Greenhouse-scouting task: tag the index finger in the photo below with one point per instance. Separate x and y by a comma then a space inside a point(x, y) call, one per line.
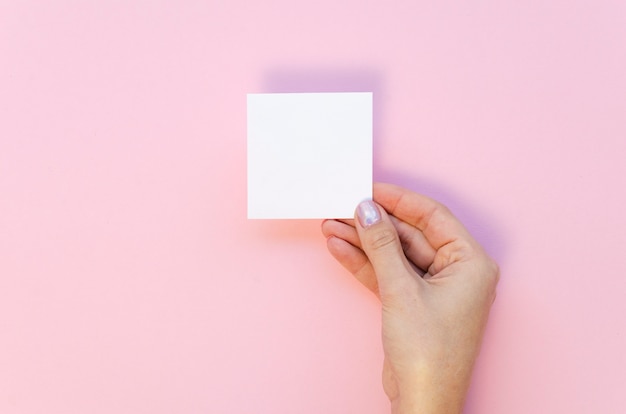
point(432, 218)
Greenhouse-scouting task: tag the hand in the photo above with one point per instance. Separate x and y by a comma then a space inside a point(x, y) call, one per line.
point(436, 285)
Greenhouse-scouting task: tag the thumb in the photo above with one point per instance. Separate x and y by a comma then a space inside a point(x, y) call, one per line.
point(381, 244)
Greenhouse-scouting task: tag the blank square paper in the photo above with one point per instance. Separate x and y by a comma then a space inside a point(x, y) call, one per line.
point(309, 154)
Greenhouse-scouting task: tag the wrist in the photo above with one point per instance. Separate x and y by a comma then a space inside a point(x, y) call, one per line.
point(442, 403)
point(434, 393)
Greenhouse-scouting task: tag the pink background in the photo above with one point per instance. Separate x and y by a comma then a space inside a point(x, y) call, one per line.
point(131, 281)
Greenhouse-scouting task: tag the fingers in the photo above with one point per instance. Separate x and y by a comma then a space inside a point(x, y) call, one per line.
point(344, 245)
point(354, 260)
point(415, 246)
point(433, 219)
point(342, 230)
point(381, 244)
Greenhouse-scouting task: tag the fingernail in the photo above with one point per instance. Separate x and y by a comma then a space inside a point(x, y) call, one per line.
point(367, 213)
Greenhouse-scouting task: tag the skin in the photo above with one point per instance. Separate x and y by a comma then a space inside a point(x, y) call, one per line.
point(436, 285)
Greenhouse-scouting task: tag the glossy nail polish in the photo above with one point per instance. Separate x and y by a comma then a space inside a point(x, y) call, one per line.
point(367, 213)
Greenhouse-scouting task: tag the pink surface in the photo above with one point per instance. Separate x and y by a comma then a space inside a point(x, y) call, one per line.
point(131, 281)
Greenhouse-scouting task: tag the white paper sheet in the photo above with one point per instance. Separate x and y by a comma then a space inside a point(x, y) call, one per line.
point(309, 154)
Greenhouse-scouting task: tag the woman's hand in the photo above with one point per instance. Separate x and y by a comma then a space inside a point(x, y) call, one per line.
point(436, 285)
